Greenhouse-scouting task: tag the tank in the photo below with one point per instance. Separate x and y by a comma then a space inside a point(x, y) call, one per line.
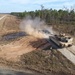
point(62, 40)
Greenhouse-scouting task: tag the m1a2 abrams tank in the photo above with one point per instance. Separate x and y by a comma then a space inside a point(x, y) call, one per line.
point(62, 40)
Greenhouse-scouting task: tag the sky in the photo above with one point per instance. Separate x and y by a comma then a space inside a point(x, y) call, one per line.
point(7, 6)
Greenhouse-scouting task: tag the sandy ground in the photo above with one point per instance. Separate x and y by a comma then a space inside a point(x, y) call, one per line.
point(16, 48)
point(12, 51)
point(9, 24)
point(9, 71)
point(2, 17)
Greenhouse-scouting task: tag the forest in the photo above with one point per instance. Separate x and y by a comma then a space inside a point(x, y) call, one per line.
point(50, 16)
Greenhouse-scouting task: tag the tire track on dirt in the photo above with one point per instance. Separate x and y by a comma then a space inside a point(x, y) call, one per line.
point(72, 49)
point(59, 58)
point(3, 17)
point(70, 56)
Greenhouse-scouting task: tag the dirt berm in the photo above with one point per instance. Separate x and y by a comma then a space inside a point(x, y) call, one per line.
point(27, 52)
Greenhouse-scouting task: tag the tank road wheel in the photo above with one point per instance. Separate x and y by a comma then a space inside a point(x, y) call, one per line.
point(62, 45)
point(69, 45)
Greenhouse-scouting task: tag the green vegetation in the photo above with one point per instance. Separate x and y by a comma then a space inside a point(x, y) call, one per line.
point(50, 16)
point(61, 20)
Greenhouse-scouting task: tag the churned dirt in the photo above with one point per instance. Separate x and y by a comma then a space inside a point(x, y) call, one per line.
point(9, 24)
point(13, 50)
point(21, 51)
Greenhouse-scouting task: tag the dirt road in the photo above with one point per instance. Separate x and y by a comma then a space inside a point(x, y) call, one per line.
point(26, 44)
point(69, 55)
point(2, 17)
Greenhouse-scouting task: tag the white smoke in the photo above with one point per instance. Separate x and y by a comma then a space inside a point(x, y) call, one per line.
point(34, 27)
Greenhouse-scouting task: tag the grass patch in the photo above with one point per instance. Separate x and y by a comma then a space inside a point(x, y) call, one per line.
point(47, 61)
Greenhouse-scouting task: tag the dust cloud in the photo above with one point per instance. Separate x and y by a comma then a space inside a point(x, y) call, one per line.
point(35, 27)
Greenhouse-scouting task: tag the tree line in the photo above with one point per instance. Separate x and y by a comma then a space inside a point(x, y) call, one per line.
point(50, 16)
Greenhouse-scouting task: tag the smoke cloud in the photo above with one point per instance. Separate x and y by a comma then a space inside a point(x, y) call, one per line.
point(34, 27)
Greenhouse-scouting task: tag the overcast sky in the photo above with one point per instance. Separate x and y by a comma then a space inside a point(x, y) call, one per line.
point(28, 5)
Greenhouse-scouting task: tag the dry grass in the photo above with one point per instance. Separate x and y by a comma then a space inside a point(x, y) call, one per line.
point(47, 61)
point(43, 61)
point(69, 29)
